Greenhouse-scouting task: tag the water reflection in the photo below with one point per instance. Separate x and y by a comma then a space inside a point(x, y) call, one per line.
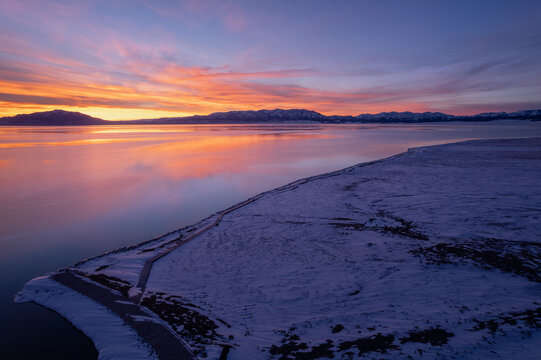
point(67, 193)
point(73, 142)
point(129, 129)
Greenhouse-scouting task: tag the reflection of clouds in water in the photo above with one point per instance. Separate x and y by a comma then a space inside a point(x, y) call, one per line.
point(76, 142)
point(226, 142)
point(168, 139)
point(131, 130)
point(206, 156)
point(157, 174)
point(170, 128)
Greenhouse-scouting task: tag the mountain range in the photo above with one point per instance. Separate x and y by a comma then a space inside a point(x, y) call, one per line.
point(53, 118)
point(69, 118)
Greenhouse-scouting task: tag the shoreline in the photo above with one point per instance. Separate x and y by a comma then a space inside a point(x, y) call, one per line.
point(293, 122)
point(145, 249)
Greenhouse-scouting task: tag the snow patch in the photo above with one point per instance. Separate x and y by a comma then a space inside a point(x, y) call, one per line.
point(112, 338)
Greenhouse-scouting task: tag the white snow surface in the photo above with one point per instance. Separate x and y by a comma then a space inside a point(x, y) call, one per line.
point(113, 339)
point(443, 237)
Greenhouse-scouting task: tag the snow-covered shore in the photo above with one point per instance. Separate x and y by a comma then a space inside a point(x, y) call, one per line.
point(434, 253)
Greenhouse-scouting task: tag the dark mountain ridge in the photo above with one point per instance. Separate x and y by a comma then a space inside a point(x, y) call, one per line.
point(53, 118)
point(69, 118)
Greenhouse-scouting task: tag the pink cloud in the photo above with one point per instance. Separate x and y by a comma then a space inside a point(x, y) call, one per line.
point(235, 20)
point(229, 15)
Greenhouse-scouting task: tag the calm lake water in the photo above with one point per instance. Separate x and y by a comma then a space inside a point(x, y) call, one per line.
point(68, 193)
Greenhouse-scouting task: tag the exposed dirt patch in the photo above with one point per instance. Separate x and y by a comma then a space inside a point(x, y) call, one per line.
point(291, 351)
point(400, 227)
point(288, 349)
point(376, 343)
point(337, 328)
point(349, 225)
point(291, 348)
point(122, 286)
point(406, 228)
point(406, 231)
point(528, 318)
point(519, 258)
point(434, 336)
point(187, 320)
point(317, 352)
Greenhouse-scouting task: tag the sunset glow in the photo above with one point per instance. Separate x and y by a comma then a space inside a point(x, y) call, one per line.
point(148, 59)
point(270, 179)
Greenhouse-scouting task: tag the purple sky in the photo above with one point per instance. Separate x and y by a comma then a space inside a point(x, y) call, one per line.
point(151, 58)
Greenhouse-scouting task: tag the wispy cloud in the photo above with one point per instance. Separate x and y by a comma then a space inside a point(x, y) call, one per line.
point(231, 16)
point(159, 84)
point(158, 58)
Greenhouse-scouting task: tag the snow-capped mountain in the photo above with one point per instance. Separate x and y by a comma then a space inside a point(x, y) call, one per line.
point(61, 117)
point(405, 116)
point(525, 113)
point(265, 115)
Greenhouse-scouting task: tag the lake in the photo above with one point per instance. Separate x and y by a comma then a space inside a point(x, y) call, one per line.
point(68, 193)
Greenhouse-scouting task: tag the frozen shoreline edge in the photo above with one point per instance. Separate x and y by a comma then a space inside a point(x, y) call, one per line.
point(99, 324)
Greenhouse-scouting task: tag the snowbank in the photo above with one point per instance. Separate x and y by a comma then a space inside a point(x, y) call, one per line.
point(112, 338)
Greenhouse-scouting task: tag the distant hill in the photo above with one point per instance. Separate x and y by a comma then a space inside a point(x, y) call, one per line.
point(64, 118)
point(409, 117)
point(302, 115)
point(53, 118)
point(250, 116)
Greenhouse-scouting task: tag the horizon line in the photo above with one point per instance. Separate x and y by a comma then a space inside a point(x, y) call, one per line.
point(287, 109)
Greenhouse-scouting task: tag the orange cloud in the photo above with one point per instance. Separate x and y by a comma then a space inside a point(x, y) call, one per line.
point(147, 86)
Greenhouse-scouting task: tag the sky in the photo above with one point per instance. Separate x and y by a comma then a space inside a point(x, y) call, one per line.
point(129, 59)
